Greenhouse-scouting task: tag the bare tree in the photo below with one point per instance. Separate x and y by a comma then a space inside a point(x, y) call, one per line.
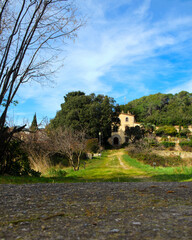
point(41, 145)
point(30, 33)
point(79, 145)
point(70, 142)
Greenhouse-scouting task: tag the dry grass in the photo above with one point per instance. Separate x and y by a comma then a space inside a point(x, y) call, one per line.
point(187, 162)
point(185, 156)
point(41, 164)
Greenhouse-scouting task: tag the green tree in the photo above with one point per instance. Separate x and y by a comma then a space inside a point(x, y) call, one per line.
point(34, 125)
point(91, 113)
point(134, 133)
point(148, 127)
point(162, 109)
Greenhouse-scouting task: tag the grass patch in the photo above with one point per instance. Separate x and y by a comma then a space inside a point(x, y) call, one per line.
point(108, 169)
point(161, 173)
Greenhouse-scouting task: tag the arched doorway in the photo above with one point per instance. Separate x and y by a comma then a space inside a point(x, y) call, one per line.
point(116, 141)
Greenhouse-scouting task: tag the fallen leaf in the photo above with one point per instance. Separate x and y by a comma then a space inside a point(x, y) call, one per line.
point(183, 186)
point(153, 186)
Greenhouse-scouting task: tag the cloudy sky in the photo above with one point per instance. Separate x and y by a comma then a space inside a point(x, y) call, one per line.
point(128, 49)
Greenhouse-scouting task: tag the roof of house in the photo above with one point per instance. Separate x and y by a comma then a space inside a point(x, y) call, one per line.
point(127, 114)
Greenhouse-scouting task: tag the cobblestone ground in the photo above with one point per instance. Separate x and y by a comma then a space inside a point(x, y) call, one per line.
point(96, 211)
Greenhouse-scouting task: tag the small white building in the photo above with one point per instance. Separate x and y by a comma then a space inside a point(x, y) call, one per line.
point(118, 136)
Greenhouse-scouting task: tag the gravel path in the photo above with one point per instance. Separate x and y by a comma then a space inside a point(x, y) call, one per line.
point(96, 211)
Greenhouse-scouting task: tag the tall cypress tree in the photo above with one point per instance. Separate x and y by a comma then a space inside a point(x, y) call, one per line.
point(34, 125)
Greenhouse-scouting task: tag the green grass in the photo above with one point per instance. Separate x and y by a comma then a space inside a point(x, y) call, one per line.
point(162, 173)
point(108, 169)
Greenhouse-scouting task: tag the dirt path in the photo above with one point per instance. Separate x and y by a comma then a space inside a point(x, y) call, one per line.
point(119, 155)
point(96, 211)
point(122, 163)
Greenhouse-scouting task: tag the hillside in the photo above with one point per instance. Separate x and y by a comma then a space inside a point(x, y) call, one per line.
point(162, 109)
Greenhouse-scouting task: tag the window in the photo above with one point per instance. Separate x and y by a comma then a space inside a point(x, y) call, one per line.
point(126, 119)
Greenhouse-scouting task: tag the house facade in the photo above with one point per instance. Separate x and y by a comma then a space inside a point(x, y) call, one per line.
point(118, 135)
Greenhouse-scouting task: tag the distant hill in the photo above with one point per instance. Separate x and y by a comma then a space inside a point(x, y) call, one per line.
point(162, 109)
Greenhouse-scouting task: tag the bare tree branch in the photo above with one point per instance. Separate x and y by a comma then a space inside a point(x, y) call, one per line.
point(28, 29)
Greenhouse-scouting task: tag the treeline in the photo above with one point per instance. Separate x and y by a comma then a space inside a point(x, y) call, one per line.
point(162, 109)
point(92, 113)
point(83, 125)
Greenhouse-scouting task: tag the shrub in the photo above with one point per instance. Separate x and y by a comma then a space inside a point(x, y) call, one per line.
point(18, 163)
point(151, 158)
point(92, 145)
point(187, 148)
point(162, 161)
point(168, 144)
point(166, 130)
point(186, 145)
point(59, 159)
point(151, 141)
point(142, 145)
point(57, 172)
point(125, 144)
point(184, 132)
point(143, 153)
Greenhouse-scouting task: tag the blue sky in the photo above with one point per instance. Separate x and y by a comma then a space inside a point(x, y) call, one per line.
point(126, 50)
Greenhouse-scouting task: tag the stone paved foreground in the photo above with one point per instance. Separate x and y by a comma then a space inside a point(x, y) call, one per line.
point(96, 211)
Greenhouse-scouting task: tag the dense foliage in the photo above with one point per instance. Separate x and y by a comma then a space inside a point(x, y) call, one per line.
point(166, 131)
point(162, 109)
point(92, 145)
point(17, 162)
point(134, 133)
point(167, 144)
point(91, 113)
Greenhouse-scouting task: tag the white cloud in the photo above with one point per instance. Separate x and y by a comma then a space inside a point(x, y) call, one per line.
point(143, 9)
point(186, 86)
point(107, 45)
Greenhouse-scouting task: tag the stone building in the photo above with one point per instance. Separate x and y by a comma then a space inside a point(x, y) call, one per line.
point(118, 135)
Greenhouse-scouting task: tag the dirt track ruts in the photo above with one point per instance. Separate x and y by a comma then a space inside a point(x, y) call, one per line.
point(96, 211)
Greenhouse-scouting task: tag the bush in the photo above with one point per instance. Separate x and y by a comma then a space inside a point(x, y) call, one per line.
point(92, 145)
point(151, 141)
point(125, 144)
point(166, 131)
point(146, 144)
point(187, 148)
point(151, 158)
point(57, 172)
point(143, 153)
point(162, 161)
point(168, 144)
point(59, 159)
point(186, 145)
point(184, 132)
point(18, 162)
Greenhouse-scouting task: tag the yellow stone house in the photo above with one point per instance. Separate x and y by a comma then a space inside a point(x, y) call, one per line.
point(118, 135)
